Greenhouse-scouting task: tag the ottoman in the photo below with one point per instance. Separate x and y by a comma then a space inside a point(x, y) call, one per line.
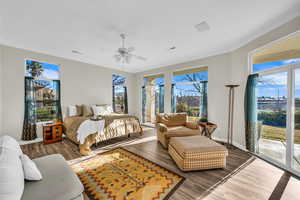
point(197, 153)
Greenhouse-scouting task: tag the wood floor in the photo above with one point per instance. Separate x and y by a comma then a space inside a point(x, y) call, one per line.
point(245, 177)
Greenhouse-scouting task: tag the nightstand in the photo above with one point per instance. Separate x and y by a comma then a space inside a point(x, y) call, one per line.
point(52, 132)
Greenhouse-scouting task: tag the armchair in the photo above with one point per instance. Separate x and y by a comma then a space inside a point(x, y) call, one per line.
point(174, 125)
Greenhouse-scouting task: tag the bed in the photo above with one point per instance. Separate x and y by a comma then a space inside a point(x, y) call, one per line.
point(114, 125)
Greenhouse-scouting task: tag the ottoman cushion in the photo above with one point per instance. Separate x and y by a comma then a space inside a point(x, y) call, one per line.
point(192, 146)
point(197, 153)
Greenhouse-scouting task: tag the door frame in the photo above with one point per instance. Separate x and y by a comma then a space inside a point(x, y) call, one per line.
point(290, 69)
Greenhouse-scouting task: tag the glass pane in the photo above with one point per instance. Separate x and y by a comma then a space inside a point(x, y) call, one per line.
point(269, 65)
point(272, 106)
point(118, 80)
point(46, 96)
point(46, 111)
point(119, 99)
point(152, 98)
point(191, 98)
point(296, 157)
point(193, 77)
point(42, 70)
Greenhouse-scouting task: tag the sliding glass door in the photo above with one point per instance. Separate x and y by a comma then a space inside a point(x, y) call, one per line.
point(296, 131)
point(278, 116)
point(271, 115)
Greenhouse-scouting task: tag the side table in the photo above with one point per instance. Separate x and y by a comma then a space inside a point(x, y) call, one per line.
point(207, 128)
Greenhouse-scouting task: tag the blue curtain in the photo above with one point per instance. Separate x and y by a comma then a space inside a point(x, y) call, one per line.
point(125, 100)
point(203, 102)
point(161, 98)
point(113, 98)
point(143, 103)
point(173, 99)
point(250, 106)
point(29, 123)
point(56, 84)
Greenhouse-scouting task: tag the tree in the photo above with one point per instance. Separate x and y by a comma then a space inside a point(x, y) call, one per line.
point(200, 84)
point(34, 68)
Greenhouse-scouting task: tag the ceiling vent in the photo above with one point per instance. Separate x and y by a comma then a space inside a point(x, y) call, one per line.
point(203, 26)
point(77, 52)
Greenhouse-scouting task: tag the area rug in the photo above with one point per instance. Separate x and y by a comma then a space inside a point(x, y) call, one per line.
point(123, 175)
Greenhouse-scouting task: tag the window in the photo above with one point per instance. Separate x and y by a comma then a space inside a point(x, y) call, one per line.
point(152, 97)
point(189, 93)
point(120, 104)
point(42, 82)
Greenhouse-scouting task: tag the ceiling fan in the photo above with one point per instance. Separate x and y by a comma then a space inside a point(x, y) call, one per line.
point(124, 55)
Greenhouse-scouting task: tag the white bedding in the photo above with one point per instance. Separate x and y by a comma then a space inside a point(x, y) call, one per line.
point(89, 127)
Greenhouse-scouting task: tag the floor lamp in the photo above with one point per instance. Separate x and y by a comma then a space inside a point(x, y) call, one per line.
point(230, 114)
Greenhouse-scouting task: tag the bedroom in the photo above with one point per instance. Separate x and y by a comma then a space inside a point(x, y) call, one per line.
point(82, 40)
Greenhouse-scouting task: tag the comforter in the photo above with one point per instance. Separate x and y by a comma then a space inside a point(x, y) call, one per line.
point(115, 125)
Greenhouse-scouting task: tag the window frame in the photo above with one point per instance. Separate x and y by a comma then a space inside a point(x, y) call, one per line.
point(290, 69)
point(44, 79)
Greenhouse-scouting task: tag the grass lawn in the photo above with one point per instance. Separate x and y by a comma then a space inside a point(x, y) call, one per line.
point(277, 133)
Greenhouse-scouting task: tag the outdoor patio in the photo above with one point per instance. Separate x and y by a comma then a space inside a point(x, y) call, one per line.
point(277, 151)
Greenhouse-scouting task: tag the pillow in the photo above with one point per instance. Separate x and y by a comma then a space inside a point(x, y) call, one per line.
point(10, 143)
point(87, 111)
point(72, 111)
point(11, 175)
point(99, 110)
point(109, 109)
point(31, 172)
point(79, 110)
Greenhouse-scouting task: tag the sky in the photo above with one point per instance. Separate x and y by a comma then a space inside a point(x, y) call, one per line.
point(51, 71)
point(276, 84)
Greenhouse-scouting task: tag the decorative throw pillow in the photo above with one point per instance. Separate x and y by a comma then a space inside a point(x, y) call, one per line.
point(79, 110)
point(72, 111)
point(109, 109)
point(31, 172)
point(87, 111)
point(10, 143)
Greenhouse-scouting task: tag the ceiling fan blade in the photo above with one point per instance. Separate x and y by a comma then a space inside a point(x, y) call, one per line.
point(127, 59)
point(117, 57)
point(130, 49)
point(139, 57)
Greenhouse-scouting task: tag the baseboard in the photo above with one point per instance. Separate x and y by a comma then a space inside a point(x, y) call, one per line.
point(238, 145)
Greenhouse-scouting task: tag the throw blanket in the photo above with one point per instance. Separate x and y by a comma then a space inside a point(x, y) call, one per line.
point(89, 127)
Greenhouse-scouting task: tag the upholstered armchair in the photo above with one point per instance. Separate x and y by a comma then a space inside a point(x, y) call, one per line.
point(174, 125)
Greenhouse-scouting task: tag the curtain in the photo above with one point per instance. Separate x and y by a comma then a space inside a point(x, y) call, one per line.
point(173, 99)
point(113, 98)
point(56, 84)
point(203, 102)
point(161, 98)
point(250, 106)
point(125, 100)
point(29, 123)
point(143, 103)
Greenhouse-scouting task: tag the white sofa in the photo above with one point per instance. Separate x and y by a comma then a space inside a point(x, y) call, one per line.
point(58, 182)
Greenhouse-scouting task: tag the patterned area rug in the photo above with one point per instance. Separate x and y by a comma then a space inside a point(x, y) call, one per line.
point(122, 175)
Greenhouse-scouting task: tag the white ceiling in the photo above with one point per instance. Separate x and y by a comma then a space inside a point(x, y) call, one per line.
point(56, 27)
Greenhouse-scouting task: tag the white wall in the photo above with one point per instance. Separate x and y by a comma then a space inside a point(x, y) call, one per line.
point(1, 60)
point(218, 76)
point(227, 68)
point(241, 69)
point(81, 83)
